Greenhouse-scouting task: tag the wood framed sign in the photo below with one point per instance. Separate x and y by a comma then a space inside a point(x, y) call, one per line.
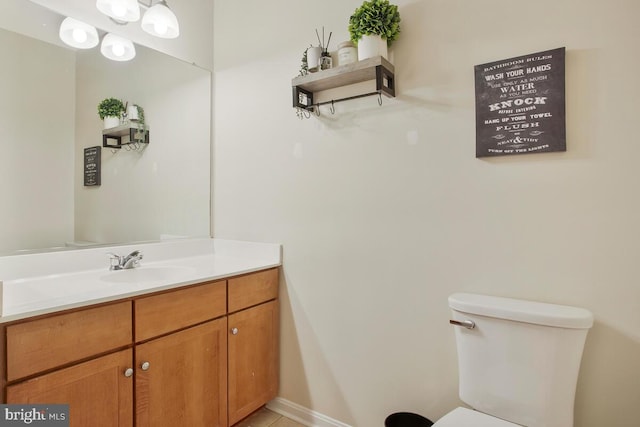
point(92, 157)
point(520, 105)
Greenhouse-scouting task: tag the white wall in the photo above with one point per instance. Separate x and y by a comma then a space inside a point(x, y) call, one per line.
point(384, 212)
point(36, 161)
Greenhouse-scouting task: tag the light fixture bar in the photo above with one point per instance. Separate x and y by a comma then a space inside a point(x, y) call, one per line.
point(120, 10)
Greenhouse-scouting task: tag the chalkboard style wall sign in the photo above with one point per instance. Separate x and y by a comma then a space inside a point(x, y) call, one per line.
point(520, 105)
point(92, 166)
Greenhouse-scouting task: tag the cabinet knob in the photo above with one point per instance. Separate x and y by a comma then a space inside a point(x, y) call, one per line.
point(145, 366)
point(234, 331)
point(128, 372)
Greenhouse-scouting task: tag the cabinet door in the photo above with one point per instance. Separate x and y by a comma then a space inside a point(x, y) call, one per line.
point(253, 359)
point(181, 379)
point(98, 392)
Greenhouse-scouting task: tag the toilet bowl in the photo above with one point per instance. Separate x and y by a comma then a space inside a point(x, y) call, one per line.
point(463, 417)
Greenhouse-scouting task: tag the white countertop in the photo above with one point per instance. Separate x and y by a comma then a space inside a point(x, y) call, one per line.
point(38, 284)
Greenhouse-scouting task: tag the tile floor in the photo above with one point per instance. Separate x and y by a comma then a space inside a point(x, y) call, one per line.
point(267, 418)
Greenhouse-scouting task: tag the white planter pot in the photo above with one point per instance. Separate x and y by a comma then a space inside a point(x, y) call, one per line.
point(371, 46)
point(111, 122)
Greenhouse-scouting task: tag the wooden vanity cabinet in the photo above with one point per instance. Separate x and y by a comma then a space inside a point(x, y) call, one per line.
point(204, 355)
point(253, 342)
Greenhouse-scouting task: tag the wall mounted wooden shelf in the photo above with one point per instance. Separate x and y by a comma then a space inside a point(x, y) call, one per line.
point(132, 130)
point(377, 68)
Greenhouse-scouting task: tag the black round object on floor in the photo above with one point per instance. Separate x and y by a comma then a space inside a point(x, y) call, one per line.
point(407, 419)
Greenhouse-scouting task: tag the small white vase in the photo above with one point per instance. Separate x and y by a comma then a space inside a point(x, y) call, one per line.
point(313, 58)
point(111, 122)
point(372, 46)
point(132, 112)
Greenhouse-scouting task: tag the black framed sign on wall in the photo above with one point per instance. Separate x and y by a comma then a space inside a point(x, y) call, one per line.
point(520, 105)
point(92, 158)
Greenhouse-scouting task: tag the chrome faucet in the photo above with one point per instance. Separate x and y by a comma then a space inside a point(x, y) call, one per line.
point(119, 262)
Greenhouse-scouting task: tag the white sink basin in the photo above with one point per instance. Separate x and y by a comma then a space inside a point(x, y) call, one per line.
point(147, 274)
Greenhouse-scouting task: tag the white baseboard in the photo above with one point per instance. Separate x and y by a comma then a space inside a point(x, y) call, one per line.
point(302, 415)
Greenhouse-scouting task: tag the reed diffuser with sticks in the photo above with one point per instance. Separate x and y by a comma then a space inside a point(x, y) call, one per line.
point(326, 61)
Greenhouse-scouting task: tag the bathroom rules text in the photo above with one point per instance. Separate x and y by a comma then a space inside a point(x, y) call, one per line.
point(520, 105)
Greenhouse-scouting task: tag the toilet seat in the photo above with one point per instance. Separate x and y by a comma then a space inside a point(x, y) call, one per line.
point(463, 417)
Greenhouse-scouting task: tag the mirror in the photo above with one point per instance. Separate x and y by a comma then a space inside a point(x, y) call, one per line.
point(49, 104)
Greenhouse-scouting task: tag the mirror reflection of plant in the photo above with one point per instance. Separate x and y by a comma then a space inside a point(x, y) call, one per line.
point(142, 124)
point(304, 66)
point(110, 107)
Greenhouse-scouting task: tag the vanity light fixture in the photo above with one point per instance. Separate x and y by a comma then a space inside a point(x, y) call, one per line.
point(78, 34)
point(160, 21)
point(117, 48)
point(120, 10)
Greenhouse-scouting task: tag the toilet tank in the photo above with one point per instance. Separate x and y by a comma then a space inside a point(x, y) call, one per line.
point(521, 359)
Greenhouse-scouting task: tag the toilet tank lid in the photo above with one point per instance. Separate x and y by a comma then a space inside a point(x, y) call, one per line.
point(560, 316)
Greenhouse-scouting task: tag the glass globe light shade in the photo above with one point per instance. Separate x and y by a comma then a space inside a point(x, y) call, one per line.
point(117, 48)
point(160, 21)
point(78, 34)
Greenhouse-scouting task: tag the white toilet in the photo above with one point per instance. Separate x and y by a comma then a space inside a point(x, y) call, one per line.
point(518, 361)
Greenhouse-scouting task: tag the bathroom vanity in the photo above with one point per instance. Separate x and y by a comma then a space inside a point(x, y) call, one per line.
point(200, 353)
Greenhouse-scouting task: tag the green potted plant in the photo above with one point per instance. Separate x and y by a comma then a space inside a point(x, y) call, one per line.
point(110, 110)
point(374, 26)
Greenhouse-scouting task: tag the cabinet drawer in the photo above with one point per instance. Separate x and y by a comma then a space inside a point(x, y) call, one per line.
point(252, 289)
point(38, 345)
point(170, 311)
